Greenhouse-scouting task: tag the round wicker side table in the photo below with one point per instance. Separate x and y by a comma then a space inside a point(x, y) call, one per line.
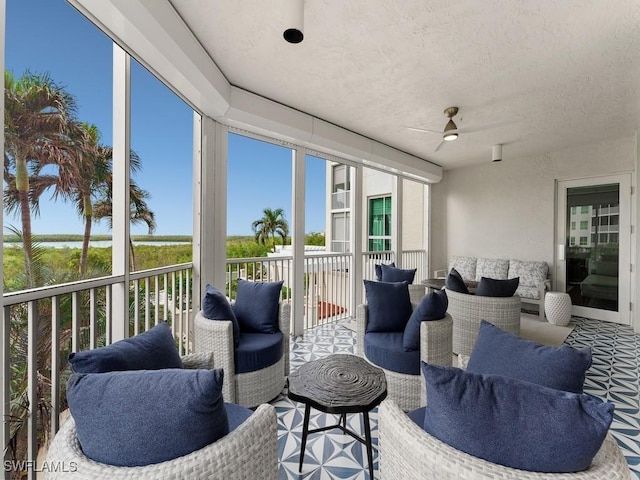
point(557, 306)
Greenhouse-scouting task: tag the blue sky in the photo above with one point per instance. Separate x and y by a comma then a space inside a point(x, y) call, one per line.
point(51, 36)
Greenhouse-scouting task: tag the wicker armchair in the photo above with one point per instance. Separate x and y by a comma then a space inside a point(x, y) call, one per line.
point(467, 311)
point(435, 348)
point(407, 452)
point(248, 452)
point(251, 388)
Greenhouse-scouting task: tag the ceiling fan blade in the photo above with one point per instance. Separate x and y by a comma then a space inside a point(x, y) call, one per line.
point(424, 130)
point(439, 145)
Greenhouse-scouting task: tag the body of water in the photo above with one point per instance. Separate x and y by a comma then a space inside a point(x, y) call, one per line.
point(95, 244)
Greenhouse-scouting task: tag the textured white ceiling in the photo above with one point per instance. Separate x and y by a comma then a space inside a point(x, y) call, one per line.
point(535, 75)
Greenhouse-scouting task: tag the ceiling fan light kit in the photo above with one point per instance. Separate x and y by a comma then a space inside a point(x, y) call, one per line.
point(450, 133)
point(496, 153)
point(294, 16)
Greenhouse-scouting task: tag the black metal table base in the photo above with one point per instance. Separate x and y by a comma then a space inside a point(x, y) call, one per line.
point(342, 425)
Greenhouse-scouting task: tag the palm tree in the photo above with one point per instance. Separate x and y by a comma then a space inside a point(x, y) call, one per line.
point(81, 179)
point(139, 211)
point(38, 115)
point(271, 224)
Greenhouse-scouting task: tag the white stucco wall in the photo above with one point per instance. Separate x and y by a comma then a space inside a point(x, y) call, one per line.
point(507, 209)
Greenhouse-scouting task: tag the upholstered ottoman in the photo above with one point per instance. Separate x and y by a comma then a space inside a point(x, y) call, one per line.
point(557, 307)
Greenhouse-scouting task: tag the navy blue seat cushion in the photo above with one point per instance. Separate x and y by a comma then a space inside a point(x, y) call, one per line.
point(432, 307)
point(150, 350)
point(378, 268)
point(256, 306)
point(215, 306)
point(417, 416)
point(491, 287)
point(394, 274)
point(385, 350)
point(236, 414)
point(514, 423)
point(258, 350)
point(455, 282)
point(389, 306)
point(143, 417)
point(503, 353)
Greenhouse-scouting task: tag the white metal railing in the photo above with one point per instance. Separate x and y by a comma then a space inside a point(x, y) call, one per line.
point(327, 293)
point(43, 326)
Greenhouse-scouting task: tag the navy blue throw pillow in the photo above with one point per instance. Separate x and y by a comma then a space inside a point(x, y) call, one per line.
point(514, 423)
point(257, 305)
point(393, 274)
point(146, 416)
point(389, 306)
point(502, 353)
point(432, 307)
point(378, 268)
point(150, 350)
point(215, 306)
point(491, 287)
point(455, 282)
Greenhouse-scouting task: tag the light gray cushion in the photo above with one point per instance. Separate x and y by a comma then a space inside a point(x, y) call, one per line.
point(532, 273)
point(466, 266)
point(495, 268)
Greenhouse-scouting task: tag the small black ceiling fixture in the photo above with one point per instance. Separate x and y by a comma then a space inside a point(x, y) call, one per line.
point(294, 18)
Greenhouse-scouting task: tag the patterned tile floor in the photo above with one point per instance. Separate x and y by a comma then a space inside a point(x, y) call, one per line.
point(333, 455)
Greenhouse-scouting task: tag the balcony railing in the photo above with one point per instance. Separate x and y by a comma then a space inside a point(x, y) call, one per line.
point(43, 326)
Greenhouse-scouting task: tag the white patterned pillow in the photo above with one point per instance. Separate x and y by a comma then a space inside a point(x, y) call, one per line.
point(466, 267)
point(532, 273)
point(495, 268)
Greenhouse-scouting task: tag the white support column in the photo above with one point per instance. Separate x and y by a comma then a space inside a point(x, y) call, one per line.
point(120, 202)
point(297, 236)
point(212, 207)
point(5, 318)
point(196, 225)
point(356, 227)
point(635, 243)
point(396, 218)
point(426, 225)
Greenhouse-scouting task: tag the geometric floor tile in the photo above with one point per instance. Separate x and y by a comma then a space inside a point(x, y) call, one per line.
point(332, 455)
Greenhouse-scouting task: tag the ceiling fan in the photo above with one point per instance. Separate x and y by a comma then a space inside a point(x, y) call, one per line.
point(450, 131)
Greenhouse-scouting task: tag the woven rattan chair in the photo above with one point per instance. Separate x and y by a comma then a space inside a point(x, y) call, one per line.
point(248, 452)
point(467, 311)
point(407, 452)
point(251, 388)
point(435, 348)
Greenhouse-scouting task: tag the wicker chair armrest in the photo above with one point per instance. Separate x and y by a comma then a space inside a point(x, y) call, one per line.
point(362, 316)
point(216, 337)
point(250, 451)
point(436, 341)
point(202, 360)
point(284, 322)
point(416, 292)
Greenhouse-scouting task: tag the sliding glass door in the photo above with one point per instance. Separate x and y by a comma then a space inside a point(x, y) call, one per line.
point(593, 246)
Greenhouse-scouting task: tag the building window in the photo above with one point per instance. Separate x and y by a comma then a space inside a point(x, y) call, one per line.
point(573, 210)
point(573, 225)
point(341, 186)
point(584, 209)
point(584, 225)
point(379, 224)
point(340, 232)
point(583, 241)
point(572, 241)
